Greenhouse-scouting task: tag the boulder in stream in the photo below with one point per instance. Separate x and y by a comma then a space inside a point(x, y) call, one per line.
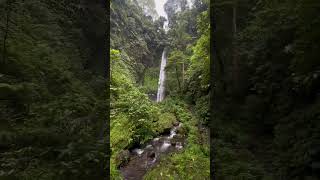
point(152, 155)
point(176, 123)
point(123, 157)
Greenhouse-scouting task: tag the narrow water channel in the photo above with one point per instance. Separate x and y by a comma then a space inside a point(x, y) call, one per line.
point(144, 158)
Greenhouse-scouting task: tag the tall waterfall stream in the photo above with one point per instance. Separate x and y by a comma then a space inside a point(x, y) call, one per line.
point(162, 77)
point(145, 157)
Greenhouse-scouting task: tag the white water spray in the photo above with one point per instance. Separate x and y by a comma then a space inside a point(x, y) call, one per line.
point(162, 77)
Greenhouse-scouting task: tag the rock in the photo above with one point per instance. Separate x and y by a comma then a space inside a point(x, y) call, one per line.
point(149, 146)
point(179, 145)
point(152, 155)
point(176, 123)
point(182, 131)
point(138, 151)
point(123, 157)
point(166, 131)
point(177, 137)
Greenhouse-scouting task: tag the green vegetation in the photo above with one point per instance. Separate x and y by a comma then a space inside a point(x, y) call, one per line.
point(262, 83)
point(52, 89)
point(134, 118)
point(131, 115)
point(137, 36)
point(135, 63)
point(151, 78)
point(265, 81)
point(266, 96)
point(193, 162)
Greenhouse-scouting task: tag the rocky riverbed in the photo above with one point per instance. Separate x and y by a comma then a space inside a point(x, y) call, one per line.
point(142, 159)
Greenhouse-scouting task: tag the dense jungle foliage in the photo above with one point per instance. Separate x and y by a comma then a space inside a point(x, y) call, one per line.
point(265, 119)
point(257, 95)
point(53, 90)
point(137, 42)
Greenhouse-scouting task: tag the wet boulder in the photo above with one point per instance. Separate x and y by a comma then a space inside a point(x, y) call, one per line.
point(178, 137)
point(175, 141)
point(182, 130)
point(152, 155)
point(123, 157)
point(166, 131)
point(176, 123)
point(165, 122)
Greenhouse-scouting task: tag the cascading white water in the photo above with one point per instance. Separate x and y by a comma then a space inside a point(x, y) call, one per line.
point(162, 77)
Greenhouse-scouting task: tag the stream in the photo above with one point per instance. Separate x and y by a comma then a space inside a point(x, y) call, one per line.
point(144, 158)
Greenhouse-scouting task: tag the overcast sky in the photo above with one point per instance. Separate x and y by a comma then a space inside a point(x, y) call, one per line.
point(160, 7)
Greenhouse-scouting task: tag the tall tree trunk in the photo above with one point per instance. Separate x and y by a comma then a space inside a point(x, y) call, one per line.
point(217, 66)
point(4, 48)
point(235, 64)
point(177, 76)
point(217, 71)
point(234, 18)
point(182, 73)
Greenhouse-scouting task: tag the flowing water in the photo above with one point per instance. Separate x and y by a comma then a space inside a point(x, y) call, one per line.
point(144, 158)
point(162, 77)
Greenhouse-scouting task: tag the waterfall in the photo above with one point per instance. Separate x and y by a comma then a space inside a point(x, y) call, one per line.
point(162, 77)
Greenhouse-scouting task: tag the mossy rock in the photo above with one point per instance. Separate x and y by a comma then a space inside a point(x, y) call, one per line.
point(123, 157)
point(183, 130)
point(165, 122)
